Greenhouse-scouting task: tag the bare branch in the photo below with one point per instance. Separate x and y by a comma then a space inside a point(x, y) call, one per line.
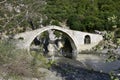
point(10, 18)
point(3, 1)
point(2, 19)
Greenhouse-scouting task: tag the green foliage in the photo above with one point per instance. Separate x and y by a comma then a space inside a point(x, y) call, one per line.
point(55, 23)
point(117, 33)
point(7, 52)
point(113, 77)
point(75, 23)
point(16, 62)
point(85, 15)
point(111, 56)
point(118, 41)
point(12, 76)
point(38, 58)
point(57, 34)
point(40, 61)
point(19, 63)
point(18, 13)
point(109, 36)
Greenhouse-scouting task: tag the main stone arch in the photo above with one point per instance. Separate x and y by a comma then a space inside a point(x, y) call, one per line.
point(69, 36)
point(28, 37)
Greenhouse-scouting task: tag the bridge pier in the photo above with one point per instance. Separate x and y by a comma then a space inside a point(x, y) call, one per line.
point(75, 54)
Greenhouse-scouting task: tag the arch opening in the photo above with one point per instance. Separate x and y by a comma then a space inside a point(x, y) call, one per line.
point(39, 43)
point(87, 39)
point(68, 45)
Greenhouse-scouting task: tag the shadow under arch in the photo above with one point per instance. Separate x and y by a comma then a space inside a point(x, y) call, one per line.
point(72, 42)
point(70, 39)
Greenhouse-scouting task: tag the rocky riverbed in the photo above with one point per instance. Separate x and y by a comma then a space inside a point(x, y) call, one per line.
point(86, 67)
point(70, 72)
point(65, 69)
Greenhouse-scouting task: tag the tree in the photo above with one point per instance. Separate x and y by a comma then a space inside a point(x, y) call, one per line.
point(92, 14)
point(18, 13)
point(85, 15)
point(75, 23)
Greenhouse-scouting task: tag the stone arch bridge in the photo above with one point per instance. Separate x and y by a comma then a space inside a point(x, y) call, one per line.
point(77, 38)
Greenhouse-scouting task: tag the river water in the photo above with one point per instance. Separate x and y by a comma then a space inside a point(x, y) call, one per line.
point(98, 63)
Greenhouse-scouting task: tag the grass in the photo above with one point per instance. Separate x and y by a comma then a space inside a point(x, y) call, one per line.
point(7, 52)
point(17, 63)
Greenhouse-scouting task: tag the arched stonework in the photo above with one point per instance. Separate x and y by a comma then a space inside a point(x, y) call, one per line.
point(76, 38)
point(29, 37)
point(69, 37)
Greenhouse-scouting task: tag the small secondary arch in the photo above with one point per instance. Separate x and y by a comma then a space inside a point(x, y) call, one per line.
point(87, 39)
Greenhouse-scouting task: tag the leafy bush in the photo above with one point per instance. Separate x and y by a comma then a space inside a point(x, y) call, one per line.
point(74, 21)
